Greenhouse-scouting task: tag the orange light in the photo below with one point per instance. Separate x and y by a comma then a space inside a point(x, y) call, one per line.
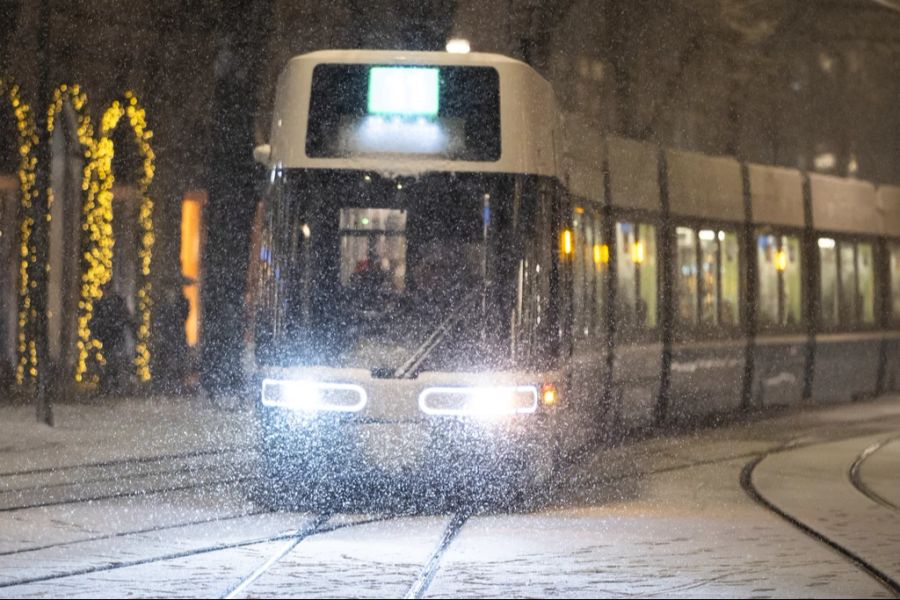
point(780, 260)
point(567, 242)
point(637, 253)
point(549, 394)
point(601, 254)
point(191, 222)
point(579, 210)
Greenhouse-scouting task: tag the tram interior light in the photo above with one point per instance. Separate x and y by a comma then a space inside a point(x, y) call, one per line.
point(406, 91)
point(780, 260)
point(566, 242)
point(601, 254)
point(637, 253)
point(826, 243)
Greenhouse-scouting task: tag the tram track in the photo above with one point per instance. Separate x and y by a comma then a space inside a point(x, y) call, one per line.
point(123, 461)
point(416, 590)
point(141, 477)
point(426, 575)
point(746, 480)
point(855, 474)
point(131, 493)
point(456, 521)
point(134, 532)
point(111, 478)
point(318, 526)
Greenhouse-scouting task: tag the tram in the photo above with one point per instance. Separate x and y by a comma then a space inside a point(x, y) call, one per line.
point(411, 312)
point(452, 284)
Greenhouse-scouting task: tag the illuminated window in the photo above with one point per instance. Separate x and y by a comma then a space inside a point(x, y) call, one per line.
point(636, 272)
point(406, 91)
point(587, 273)
point(708, 277)
point(847, 280)
point(895, 281)
point(191, 223)
point(779, 280)
point(373, 249)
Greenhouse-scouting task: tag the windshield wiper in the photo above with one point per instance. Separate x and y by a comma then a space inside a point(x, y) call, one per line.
point(459, 312)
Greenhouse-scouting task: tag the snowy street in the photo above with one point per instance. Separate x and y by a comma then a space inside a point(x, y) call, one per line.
point(795, 504)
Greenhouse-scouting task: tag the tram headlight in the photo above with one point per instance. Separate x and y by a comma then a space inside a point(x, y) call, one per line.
point(313, 396)
point(484, 402)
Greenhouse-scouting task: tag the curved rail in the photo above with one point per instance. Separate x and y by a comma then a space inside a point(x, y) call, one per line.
point(856, 477)
point(888, 582)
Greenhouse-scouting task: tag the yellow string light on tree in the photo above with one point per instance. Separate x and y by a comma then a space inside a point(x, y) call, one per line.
point(26, 314)
point(98, 223)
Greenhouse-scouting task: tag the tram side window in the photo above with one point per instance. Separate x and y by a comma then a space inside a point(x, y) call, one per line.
point(865, 262)
point(847, 274)
point(828, 268)
point(708, 277)
point(686, 263)
point(847, 287)
point(895, 281)
point(583, 273)
point(779, 282)
point(636, 272)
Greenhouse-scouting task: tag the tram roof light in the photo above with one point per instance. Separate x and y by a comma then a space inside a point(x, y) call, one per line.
point(406, 91)
point(458, 46)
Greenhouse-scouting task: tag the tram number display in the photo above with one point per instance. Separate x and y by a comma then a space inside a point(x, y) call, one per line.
point(427, 111)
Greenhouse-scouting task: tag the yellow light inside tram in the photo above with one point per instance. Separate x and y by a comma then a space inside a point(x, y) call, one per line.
point(549, 394)
point(780, 260)
point(637, 253)
point(601, 254)
point(566, 242)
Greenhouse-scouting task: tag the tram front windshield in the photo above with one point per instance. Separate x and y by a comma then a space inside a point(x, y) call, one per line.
point(383, 274)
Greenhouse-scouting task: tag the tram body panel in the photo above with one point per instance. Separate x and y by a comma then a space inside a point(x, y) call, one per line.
point(528, 129)
point(706, 378)
point(891, 362)
point(636, 377)
point(779, 369)
point(846, 366)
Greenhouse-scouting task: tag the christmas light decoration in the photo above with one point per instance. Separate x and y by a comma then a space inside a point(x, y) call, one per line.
point(27, 364)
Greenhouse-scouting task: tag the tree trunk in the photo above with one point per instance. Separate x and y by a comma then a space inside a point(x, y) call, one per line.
point(242, 36)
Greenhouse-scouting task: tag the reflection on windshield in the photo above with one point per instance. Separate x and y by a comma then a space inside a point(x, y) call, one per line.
point(447, 271)
point(404, 273)
point(387, 272)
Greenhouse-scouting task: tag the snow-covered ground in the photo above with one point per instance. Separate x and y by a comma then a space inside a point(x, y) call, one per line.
point(148, 498)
